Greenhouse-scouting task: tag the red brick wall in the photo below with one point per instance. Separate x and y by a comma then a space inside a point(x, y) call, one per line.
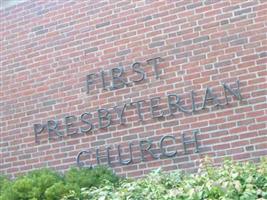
point(48, 48)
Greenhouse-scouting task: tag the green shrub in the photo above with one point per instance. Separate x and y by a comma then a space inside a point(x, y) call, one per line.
point(79, 178)
point(3, 180)
point(31, 186)
point(58, 190)
point(86, 178)
point(46, 184)
point(232, 181)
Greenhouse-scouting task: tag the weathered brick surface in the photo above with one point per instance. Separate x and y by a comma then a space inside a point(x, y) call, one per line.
point(48, 48)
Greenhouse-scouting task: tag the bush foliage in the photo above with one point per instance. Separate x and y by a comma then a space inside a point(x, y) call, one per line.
point(231, 181)
point(46, 184)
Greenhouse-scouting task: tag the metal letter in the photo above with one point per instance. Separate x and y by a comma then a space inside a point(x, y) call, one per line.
point(138, 107)
point(236, 93)
point(136, 68)
point(154, 62)
point(149, 142)
point(116, 78)
point(108, 156)
point(52, 126)
point(120, 112)
point(68, 124)
point(154, 107)
point(103, 114)
point(194, 108)
point(163, 152)
point(78, 162)
point(126, 162)
point(194, 141)
point(38, 128)
point(175, 104)
point(210, 96)
point(89, 82)
point(102, 73)
point(84, 120)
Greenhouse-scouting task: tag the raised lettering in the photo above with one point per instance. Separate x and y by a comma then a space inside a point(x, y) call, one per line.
point(147, 149)
point(103, 115)
point(210, 96)
point(102, 75)
point(155, 62)
point(137, 68)
point(68, 123)
point(126, 162)
point(233, 92)
point(120, 112)
point(52, 127)
point(84, 119)
point(154, 105)
point(78, 159)
point(98, 157)
point(38, 128)
point(89, 81)
point(117, 80)
point(163, 151)
point(175, 104)
point(138, 107)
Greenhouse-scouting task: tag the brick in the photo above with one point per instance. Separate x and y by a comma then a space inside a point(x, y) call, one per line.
point(101, 25)
point(224, 22)
point(37, 28)
point(124, 52)
point(229, 38)
point(221, 147)
point(200, 39)
point(156, 44)
point(104, 136)
point(146, 18)
point(242, 11)
point(263, 54)
point(184, 43)
point(222, 64)
point(239, 18)
point(239, 42)
point(208, 2)
point(194, 5)
point(49, 103)
point(90, 50)
point(41, 32)
point(249, 148)
point(183, 55)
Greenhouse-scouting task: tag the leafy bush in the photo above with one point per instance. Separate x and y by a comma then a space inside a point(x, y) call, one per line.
point(46, 184)
point(3, 180)
point(232, 181)
point(98, 176)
